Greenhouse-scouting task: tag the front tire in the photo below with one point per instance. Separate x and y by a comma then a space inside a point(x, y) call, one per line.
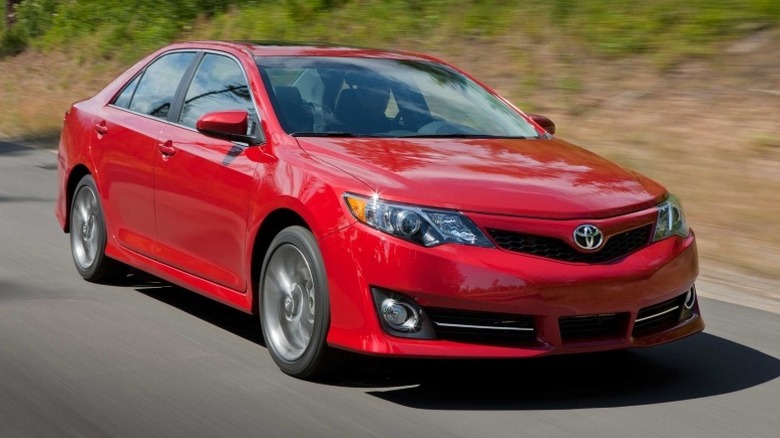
point(88, 235)
point(294, 303)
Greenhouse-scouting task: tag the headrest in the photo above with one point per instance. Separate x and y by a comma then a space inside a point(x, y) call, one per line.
point(366, 80)
point(288, 95)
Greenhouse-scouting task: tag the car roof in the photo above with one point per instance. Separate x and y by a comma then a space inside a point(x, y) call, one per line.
point(272, 48)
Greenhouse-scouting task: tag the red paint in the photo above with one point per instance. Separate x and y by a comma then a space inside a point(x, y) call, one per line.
point(538, 178)
point(188, 208)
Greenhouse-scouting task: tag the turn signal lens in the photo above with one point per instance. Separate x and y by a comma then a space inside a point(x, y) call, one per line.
point(358, 207)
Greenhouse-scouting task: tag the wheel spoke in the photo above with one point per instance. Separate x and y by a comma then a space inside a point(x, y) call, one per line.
point(91, 248)
point(84, 210)
point(278, 280)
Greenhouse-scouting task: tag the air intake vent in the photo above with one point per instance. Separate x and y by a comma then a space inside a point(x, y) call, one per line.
point(469, 326)
point(592, 327)
point(658, 317)
point(618, 246)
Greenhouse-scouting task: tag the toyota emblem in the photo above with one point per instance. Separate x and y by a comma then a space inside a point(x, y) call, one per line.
point(588, 237)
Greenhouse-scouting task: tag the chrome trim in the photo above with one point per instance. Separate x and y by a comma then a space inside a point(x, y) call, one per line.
point(658, 314)
point(485, 327)
point(588, 237)
point(690, 298)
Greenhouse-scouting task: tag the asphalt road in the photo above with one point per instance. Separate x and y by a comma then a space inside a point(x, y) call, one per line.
point(146, 359)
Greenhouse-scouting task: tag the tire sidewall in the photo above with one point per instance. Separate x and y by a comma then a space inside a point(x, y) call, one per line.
point(314, 355)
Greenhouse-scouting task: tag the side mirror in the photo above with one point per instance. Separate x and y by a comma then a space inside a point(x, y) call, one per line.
point(544, 122)
point(227, 125)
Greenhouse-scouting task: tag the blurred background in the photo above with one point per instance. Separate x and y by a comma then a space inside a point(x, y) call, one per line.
point(687, 92)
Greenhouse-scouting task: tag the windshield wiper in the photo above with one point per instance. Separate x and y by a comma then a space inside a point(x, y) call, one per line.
point(463, 136)
point(353, 135)
point(328, 134)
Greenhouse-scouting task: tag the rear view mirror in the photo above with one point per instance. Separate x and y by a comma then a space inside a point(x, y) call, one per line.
point(544, 122)
point(227, 125)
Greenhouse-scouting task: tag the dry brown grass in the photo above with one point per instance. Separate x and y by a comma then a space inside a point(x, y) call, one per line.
point(708, 129)
point(36, 89)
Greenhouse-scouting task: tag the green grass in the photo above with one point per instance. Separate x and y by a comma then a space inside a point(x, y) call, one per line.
point(126, 29)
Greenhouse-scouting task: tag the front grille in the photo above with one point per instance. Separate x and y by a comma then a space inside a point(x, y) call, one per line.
point(582, 328)
point(658, 317)
point(618, 246)
point(482, 327)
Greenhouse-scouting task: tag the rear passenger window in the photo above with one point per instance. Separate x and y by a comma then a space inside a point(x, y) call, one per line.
point(123, 99)
point(157, 86)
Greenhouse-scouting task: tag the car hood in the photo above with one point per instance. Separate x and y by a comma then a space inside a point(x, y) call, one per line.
point(534, 178)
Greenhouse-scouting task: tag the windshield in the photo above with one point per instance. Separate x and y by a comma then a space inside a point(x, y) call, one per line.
point(329, 96)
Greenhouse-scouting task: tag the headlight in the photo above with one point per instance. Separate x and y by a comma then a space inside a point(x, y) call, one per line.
point(671, 220)
point(424, 226)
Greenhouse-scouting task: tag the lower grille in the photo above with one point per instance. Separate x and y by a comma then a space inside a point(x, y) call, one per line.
point(482, 327)
point(658, 317)
point(582, 328)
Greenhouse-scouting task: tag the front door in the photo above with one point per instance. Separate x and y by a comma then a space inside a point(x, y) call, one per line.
point(203, 185)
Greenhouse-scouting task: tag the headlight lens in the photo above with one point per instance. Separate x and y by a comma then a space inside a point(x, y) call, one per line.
point(424, 226)
point(671, 220)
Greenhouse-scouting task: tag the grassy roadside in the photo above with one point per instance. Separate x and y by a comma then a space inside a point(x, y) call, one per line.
point(688, 94)
point(536, 45)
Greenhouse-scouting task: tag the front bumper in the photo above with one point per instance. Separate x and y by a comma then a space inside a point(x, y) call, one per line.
point(554, 294)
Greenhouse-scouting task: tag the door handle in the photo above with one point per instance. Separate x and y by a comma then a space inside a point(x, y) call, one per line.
point(166, 149)
point(101, 128)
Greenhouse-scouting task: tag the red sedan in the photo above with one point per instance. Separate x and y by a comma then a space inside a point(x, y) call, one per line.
point(378, 202)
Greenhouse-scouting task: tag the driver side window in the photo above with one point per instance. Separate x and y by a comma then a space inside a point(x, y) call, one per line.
point(219, 84)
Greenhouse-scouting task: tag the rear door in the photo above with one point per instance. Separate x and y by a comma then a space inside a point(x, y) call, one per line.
point(203, 184)
point(125, 150)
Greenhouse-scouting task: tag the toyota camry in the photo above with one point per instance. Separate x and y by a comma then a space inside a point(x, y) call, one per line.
point(378, 202)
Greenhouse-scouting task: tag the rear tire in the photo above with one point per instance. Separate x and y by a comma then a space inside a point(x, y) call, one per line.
point(88, 235)
point(294, 303)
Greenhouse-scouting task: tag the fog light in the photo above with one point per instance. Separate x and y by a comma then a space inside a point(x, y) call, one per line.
point(690, 299)
point(400, 316)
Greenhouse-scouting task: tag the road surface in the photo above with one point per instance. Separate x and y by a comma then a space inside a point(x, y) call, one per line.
point(147, 359)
